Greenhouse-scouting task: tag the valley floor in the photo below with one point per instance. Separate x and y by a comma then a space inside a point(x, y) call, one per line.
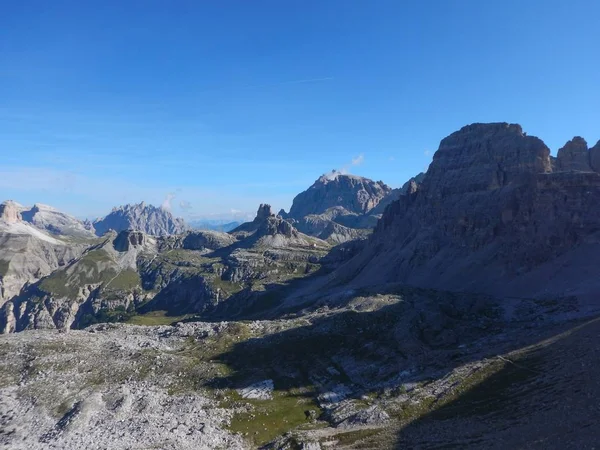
point(399, 368)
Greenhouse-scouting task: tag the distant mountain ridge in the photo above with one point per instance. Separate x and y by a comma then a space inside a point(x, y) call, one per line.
point(353, 193)
point(215, 225)
point(340, 207)
point(495, 213)
point(140, 217)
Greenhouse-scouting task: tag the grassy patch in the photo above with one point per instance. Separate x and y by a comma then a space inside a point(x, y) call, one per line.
point(227, 287)
point(352, 437)
point(271, 418)
point(96, 256)
point(155, 318)
point(126, 280)
point(118, 314)
point(66, 283)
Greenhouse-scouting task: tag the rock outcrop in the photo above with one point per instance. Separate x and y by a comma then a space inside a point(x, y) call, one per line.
point(339, 207)
point(395, 194)
point(10, 212)
point(353, 193)
point(595, 157)
point(50, 219)
point(130, 272)
point(140, 217)
point(28, 253)
point(268, 229)
point(574, 156)
point(491, 216)
point(128, 239)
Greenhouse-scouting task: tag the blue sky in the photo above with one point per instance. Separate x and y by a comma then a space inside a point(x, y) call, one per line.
point(221, 105)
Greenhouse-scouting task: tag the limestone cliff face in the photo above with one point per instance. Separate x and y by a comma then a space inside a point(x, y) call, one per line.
point(340, 207)
point(53, 221)
point(355, 194)
point(574, 156)
point(140, 217)
point(491, 216)
point(10, 212)
point(28, 253)
point(132, 272)
point(595, 157)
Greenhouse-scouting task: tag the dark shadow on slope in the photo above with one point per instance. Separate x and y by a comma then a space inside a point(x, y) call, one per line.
point(416, 339)
point(544, 398)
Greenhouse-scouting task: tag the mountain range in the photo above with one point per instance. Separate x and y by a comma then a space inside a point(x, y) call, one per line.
point(458, 310)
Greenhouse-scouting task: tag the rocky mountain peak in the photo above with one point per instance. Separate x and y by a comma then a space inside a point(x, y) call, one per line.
point(351, 192)
point(267, 224)
point(141, 217)
point(10, 212)
point(52, 220)
point(264, 212)
point(482, 157)
point(574, 156)
point(490, 216)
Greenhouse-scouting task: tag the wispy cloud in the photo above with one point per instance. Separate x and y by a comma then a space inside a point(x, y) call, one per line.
point(166, 204)
point(357, 161)
point(185, 205)
point(345, 169)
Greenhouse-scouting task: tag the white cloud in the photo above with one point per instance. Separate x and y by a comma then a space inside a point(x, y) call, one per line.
point(357, 161)
point(427, 152)
point(166, 204)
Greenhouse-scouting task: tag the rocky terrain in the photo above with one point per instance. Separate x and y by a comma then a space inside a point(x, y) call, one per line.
point(467, 319)
point(50, 219)
point(29, 253)
point(129, 273)
point(387, 368)
point(492, 215)
point(140, 217)
point(340, 207)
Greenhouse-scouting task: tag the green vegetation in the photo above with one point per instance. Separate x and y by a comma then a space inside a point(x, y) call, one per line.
point(126, 280)
point(186, 258)
point(118, 314)
point(155, 318)
point(271, 418)
point(96, 256)
point(352, 437)
point(88, 270)
point(227, 287)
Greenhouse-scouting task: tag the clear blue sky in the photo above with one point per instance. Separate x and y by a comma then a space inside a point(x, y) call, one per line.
point(226, 104)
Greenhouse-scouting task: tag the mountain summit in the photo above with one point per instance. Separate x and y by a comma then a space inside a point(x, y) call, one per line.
point(493, 215)
point(141, 217)
point(353, 193)
point(339, 207)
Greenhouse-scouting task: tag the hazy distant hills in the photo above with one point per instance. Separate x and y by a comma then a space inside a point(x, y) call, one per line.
point(214, 225)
